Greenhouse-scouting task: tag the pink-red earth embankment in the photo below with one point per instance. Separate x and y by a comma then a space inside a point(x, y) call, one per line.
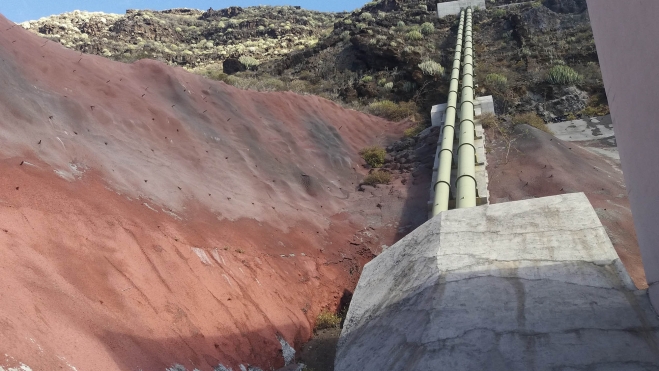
point(149, 216)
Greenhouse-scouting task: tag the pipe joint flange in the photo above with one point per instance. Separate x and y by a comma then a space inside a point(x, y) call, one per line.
point(466, 144)
point(434, 187)
point(467, 175)
point(465, 120)
point(467, 101)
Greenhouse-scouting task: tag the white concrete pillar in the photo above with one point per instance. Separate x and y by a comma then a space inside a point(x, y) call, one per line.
point(626, 38)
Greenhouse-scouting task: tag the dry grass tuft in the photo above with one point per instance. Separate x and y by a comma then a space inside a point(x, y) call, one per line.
point(377, 177)
point(531, 119)
point(327, 319)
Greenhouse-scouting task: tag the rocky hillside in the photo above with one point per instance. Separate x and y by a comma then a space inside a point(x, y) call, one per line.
point(387, 57)
point(188, 37)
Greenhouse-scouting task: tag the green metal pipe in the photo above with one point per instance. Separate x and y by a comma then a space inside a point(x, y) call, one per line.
point(466, 180)
point(442, 186)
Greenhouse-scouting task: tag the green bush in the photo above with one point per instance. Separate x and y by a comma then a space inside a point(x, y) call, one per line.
point(400, 24)
point(392, 111)
point(382, 81)
point(366, 17)
point(374, 156)
point(248, 62)
point(377, 177)
point(496, 81)
point(273, 83)
point(427, 28)
point(531, 119)
point(414, 35)
point(414, 130)
point(431, 68)
point(563, 75)
point(498, 13)
point(345, 36)
point(389, 86)
point(367, 79)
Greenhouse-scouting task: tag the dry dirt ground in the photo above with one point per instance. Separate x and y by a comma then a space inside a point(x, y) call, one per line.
point(151, 217)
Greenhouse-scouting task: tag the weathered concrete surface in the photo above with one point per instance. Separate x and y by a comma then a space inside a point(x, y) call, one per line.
point(526, 285)
point(581, 130)
point(454, 7)
point(623, 29)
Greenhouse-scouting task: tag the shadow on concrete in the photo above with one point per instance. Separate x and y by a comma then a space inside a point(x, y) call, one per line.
point(423, 306)
point(487, 322)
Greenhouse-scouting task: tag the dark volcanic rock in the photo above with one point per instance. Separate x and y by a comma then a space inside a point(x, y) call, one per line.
point(566, 6)
point(232, 65)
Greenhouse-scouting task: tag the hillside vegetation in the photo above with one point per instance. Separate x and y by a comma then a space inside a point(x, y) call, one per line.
point(388, 58)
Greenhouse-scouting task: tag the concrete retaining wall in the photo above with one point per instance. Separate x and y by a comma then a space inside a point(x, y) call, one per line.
point(626, 38)
point(518, 286)
point(454, 7)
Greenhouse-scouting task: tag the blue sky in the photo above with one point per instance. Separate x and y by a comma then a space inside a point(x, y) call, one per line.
point(24, 10)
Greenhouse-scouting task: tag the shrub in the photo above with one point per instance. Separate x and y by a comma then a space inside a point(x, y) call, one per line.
point(414, 35)
point(431, 68)
point(382, 81)
point(248, 62)
point(563, 75)
point(389, 85)
point(498, 13)
point(488, 120)
point(531, 119)
point(427, 28)
point(298, 86)
point(414, 130)
point(366, 17)
point(367, 78)
point(400, 24)
point(496, 81)
point(391, 110)
point(345, 36)
point(273, 83)
point(327, 319)
point(423, 7)
point(377, 177)
point(374, 156)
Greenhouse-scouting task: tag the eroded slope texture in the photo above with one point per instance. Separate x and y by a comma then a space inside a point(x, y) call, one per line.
point(150, 217)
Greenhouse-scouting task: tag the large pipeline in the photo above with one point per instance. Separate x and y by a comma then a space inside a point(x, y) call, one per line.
point(443, 185)
point(466, 180)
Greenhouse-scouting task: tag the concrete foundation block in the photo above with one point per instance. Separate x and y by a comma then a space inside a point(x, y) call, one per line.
point(438, 114)
point(484, 105)
point(527, 285)
point(454, 7)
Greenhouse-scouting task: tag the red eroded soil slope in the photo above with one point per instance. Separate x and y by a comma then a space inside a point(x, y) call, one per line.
point(537, 164)
point(150, 217)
